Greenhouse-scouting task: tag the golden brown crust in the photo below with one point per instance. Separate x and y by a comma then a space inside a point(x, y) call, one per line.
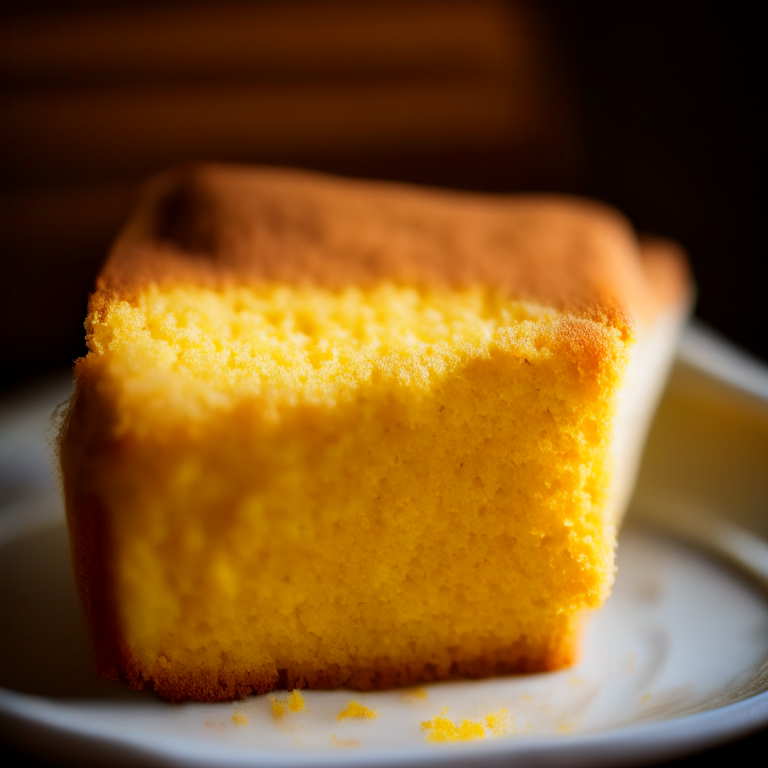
point(210, 686)
point(217, 225)
point(90, 539)
point(666, 267)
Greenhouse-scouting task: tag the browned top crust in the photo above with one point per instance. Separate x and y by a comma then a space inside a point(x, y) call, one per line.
point(667, 269)
point(214, 225)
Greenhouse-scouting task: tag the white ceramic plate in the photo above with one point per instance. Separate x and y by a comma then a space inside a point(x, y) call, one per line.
point(678, 660)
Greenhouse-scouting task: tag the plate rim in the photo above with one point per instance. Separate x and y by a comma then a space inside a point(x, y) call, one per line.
point(646, 741)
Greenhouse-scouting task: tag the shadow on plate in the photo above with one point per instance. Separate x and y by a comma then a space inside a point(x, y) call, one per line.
point(44, 646)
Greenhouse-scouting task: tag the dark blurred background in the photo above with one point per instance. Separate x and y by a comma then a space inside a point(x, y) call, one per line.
point(650, 106)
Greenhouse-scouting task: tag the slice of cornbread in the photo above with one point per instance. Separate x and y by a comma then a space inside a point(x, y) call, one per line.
point(342, 433)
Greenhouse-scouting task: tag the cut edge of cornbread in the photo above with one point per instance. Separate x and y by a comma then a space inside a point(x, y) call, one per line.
point(117, 529)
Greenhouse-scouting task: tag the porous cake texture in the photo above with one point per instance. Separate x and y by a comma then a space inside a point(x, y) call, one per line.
point(340, 433)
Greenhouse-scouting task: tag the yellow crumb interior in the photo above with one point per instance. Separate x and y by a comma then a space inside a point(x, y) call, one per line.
point(355, 709)
point(385, 479)
point(290, 346)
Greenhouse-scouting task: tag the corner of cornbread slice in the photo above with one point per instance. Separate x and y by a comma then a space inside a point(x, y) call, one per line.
point(342, 433)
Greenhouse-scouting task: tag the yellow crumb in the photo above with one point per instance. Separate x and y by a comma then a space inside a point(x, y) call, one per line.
point(645, 698)
point(442, 729)
point(567, 727)
point(354, 709)
point(240, 718)
point(337, 742)
point(500, 723)
point(574, 681)
point(295, 701)
point(278, 708)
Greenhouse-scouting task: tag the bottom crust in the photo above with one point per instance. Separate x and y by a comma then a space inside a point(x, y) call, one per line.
point(211, 685)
